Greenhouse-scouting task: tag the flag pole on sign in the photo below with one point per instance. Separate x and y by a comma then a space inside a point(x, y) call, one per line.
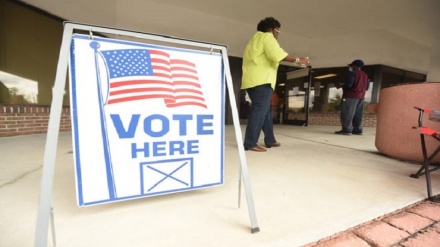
point(108, 161)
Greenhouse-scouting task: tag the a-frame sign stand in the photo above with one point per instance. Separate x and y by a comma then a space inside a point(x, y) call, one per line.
point(45, 212)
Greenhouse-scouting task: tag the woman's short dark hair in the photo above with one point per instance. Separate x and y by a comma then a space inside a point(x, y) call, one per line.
point(268, 23)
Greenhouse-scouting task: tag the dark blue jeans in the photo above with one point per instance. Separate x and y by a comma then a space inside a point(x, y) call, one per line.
point(352, 112)
point(260, 117)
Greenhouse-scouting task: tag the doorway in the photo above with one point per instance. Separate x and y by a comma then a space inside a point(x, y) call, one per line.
point(296, 97)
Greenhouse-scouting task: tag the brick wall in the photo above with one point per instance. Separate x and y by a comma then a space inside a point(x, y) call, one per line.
point(333, 119)
point(25, 120)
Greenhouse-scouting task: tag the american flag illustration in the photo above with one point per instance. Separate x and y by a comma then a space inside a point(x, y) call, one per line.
point(138, 74)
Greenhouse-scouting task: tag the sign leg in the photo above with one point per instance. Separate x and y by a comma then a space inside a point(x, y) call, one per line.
point(52, 226)
point(239, 138)
point(50, 150)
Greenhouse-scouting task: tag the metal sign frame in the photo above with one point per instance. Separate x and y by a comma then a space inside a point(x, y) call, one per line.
point(45, 209)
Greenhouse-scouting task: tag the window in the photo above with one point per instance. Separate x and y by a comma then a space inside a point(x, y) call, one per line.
point(326, 93)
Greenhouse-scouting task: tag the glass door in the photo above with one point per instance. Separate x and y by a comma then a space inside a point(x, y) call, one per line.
point(296, 97)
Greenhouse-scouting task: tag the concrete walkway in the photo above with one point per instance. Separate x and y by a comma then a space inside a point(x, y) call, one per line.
point(317, 189)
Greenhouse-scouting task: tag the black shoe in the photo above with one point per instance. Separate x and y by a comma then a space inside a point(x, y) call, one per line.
point(356, 132)
point(341, 132)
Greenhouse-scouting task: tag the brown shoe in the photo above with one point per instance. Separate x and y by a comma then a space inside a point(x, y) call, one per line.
point(256, 149)
point(275, 145)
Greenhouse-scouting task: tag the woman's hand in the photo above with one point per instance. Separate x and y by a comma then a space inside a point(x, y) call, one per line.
point(304, 60)
point(298, 60)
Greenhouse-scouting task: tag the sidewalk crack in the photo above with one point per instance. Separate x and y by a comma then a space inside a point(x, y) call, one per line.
point(20, 177)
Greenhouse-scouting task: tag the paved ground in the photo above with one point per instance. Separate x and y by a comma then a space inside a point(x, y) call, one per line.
point(317, 189)
point(417, 225)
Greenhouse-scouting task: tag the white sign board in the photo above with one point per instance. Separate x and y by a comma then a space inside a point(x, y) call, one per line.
point(146, 119)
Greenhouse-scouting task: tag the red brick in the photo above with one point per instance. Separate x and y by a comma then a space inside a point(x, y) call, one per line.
point(27, 114)
point(408, 222)
point(9, 121)
point(343, 240)
point(426, 238)
point(436, 227)
point(381, 234)
point(428, 210)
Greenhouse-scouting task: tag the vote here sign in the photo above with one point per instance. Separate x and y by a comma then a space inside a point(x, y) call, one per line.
point(146, 119)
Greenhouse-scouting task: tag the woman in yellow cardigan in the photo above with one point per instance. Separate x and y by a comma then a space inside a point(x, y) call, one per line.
point(261, 59)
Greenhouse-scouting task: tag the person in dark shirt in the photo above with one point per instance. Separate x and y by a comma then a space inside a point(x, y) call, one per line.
point(352, 104)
